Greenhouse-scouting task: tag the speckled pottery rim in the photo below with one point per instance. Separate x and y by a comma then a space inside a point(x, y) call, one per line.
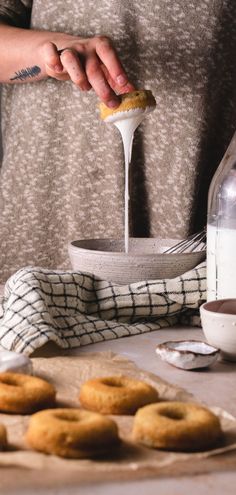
point(218, 320)
point(213, 307)
point(146, 259)
point(149, 247)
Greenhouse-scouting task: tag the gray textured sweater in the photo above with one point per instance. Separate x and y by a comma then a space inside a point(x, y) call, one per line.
point(62, 175)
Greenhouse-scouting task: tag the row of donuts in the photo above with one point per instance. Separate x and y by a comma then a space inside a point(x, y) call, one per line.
point(88, 432)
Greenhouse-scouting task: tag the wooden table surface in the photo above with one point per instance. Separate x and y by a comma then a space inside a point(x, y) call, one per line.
point(214, 386)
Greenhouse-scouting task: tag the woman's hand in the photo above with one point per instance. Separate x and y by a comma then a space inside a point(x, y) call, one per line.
point(28, 55)
point(88, 63)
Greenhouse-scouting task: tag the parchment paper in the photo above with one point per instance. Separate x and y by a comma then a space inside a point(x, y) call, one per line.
point(67, 374)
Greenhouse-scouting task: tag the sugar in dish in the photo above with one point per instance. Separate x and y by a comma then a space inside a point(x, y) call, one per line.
point(188, 354)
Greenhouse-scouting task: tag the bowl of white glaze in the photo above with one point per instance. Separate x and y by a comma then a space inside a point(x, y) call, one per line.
point(218, 320)
point(145, 260)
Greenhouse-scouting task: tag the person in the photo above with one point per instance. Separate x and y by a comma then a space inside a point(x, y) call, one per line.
point(62, 173)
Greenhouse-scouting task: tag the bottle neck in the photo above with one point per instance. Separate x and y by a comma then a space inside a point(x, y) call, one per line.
point(222, 191)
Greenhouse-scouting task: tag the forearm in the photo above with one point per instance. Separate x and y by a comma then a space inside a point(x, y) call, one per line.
point(27, 55)
point(21, 57)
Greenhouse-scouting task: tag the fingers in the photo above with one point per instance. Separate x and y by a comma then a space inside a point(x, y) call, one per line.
point(116, 88)
point(71, 63)
point(99, 82)
point(90, 76)
point(117, 76)
point(52, 57)
point(89, 63)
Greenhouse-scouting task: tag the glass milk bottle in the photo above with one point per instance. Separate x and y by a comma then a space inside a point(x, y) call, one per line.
point(221, 229)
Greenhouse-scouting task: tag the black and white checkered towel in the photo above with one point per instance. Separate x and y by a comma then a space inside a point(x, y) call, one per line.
point(75, 308)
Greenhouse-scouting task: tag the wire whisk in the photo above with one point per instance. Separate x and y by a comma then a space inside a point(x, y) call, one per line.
point(194, 241)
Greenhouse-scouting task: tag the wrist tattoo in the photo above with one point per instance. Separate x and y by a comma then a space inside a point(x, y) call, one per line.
point(24, 74)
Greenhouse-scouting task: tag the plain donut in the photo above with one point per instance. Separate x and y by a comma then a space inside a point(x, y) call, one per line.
point(116, 395)
point(24, 394)
point(72, 433)
point(176, 426)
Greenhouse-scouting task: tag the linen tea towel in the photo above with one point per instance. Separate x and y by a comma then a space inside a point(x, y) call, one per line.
point(75, 308)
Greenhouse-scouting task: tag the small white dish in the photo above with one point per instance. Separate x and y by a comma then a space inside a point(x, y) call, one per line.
point(187, 354)
point(15, 362)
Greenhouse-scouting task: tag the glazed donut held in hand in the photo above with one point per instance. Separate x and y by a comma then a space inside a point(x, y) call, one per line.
point(177, 426)
point(72, 433)
point(24, 394)
point(116, 395)
point(131, 104)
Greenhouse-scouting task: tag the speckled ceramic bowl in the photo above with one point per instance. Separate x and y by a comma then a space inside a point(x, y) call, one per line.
point(145, 261)
point(219, 326)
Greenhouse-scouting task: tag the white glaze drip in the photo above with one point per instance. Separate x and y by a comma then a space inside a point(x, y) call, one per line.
point(127, 122)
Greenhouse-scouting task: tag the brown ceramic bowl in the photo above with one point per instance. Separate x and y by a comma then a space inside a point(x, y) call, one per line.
point(145, 261)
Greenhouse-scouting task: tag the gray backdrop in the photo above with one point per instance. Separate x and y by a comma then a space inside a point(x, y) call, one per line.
point(0, 129)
